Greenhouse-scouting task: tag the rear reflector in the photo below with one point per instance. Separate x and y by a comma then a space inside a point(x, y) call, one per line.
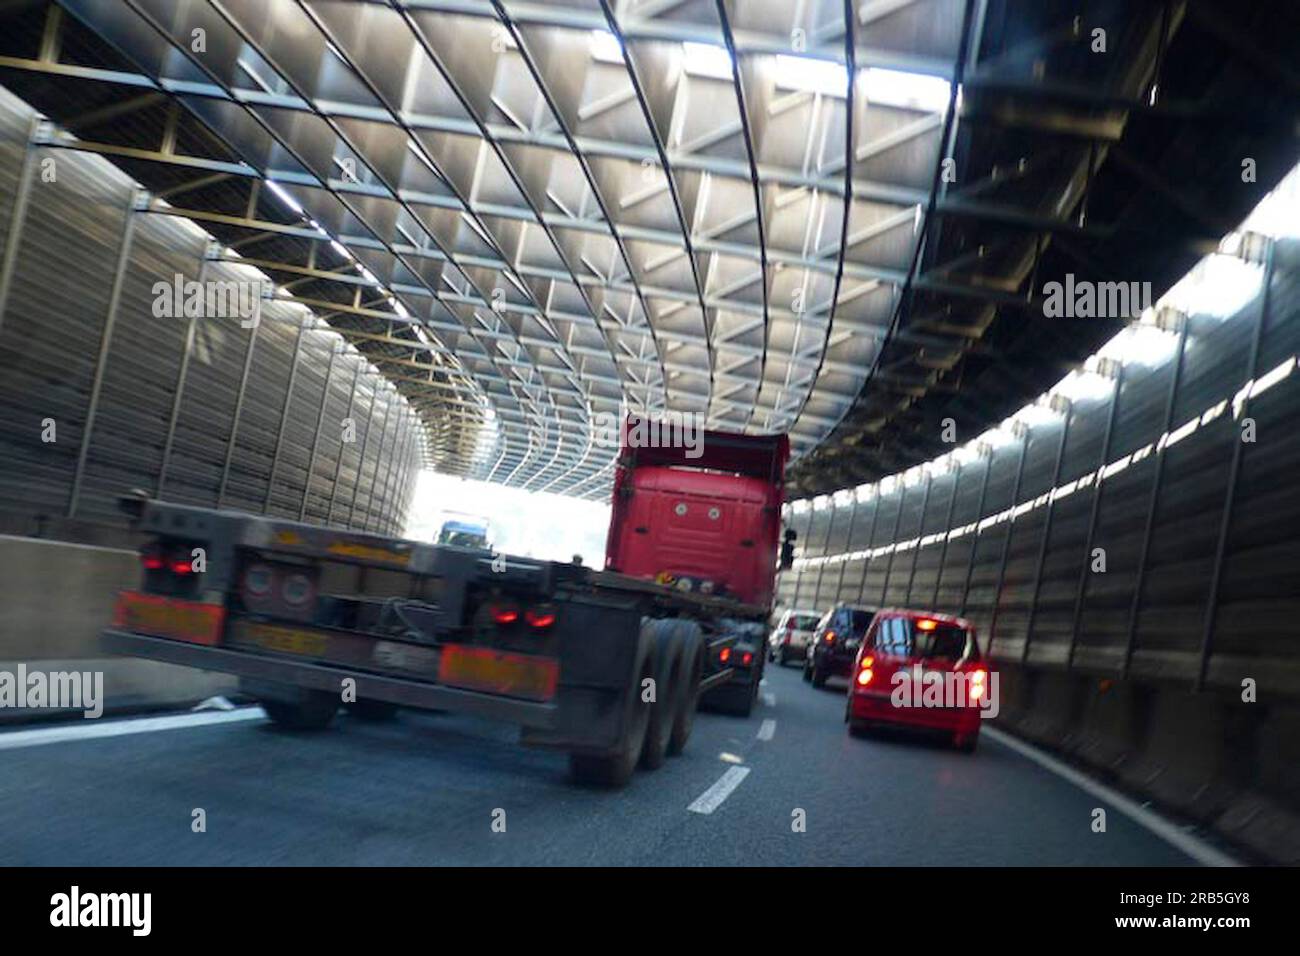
point(498, 672)
point(169, 617)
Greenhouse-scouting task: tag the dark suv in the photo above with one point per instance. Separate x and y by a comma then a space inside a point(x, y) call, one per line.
point(836, 641)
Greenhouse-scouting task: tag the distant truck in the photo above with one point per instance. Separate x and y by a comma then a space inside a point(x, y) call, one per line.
point(606, 665)
point(465, 532)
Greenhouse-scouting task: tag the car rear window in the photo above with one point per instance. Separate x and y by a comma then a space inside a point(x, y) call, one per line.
point(862, 621)
point(805, 622)
point(941, 642)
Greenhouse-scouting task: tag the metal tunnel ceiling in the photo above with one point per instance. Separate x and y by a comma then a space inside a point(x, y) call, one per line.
point(529, 215)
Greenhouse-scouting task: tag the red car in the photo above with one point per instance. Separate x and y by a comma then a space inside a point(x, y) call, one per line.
point(920, 670)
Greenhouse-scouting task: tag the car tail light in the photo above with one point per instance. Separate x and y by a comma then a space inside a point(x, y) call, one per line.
point(541, 617)
point(151, 560)
point(830, 637)
point(505, 614)
point(182, 567)
point(865, 674)
point(747, 658)
point(789, 625)
point(725, 655)
point(926, 625)
point(978, 684)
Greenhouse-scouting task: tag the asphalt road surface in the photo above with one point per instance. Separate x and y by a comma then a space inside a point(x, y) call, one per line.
point(427, 789)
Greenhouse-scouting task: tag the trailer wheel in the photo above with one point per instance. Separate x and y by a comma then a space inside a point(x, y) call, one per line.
point(313, 711)
point(615, 770)
point(668, 692)
point(689, 698)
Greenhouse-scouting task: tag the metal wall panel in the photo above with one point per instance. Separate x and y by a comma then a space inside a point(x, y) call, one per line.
point(1180, 564)
point(128, 390)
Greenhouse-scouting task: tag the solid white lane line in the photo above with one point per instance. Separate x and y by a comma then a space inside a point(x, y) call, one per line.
point(94, 729)
point(712, 798)
point(768, 728)
point(1199, 850)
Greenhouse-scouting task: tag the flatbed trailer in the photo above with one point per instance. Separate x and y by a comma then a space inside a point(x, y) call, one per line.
point(605, 666)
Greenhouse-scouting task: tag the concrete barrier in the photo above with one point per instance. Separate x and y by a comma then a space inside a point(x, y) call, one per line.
point(54, 598)
point(1230, 766)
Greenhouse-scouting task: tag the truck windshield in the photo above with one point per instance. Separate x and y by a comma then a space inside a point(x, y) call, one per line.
point(463, 539)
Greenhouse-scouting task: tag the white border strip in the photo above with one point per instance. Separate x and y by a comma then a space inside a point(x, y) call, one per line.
point(94, 729)
point(1171, 833)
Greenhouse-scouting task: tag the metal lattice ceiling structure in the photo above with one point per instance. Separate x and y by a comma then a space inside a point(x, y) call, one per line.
point(529, 214)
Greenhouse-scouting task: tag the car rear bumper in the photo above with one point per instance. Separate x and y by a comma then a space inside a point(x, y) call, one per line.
point(835, 666)
point(879, 708)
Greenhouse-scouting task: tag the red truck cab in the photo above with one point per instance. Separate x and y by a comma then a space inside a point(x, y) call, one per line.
point(704, 519)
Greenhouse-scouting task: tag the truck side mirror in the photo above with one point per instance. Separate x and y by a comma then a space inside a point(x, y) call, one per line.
point(787, 550)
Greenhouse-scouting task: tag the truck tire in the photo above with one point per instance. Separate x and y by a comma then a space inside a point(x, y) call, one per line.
point(668, 691)
point(818, 676)
point(692, 670)
point(615, 769)
point(313, 711)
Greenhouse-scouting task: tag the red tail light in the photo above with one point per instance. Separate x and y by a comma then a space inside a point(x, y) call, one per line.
point(540, 618)
point(747, 658)
point(182, 567)
point(830, 637)
point(725, 655)
point(151, 560)
point(505, 614)
point(789, 625)
point(865, 674)
point(977, 682)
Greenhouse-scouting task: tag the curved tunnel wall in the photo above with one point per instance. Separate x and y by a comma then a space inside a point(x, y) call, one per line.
point(1175, 672)
point(1200, 538)
point(199, 411)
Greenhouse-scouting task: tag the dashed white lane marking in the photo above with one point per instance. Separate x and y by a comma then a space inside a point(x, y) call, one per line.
point(712, 798)
point(1171, 833)
point(768, 728)
point(769, 699)
point(95, 729)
